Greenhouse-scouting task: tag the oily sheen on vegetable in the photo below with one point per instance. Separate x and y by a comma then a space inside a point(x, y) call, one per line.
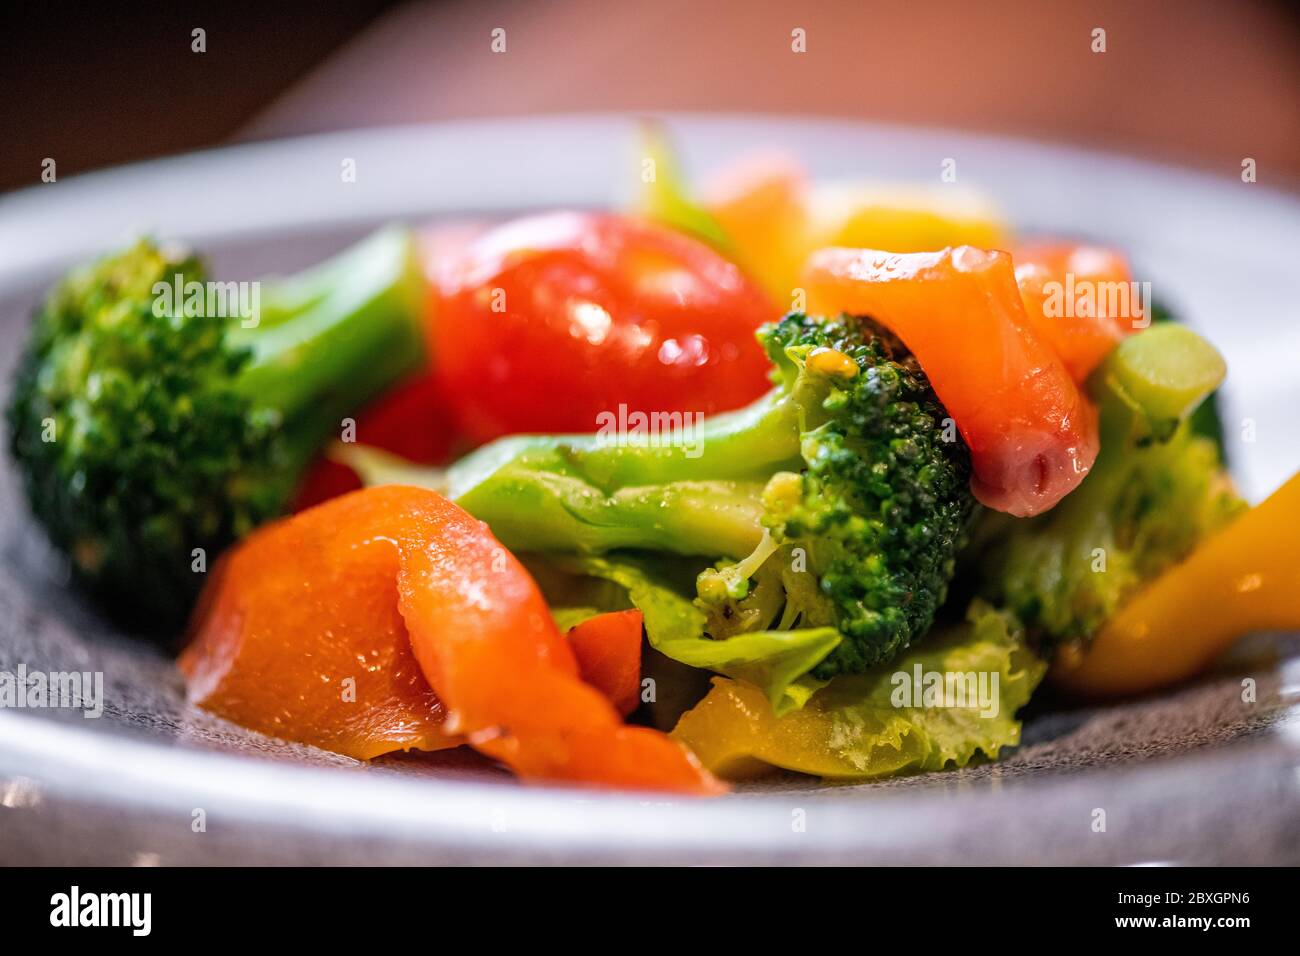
point(1032, 433)
point(1079, 299)
point(834, 502)
point(786, 511)
point(1243, 578)
point(284, 626)
point(584, 312)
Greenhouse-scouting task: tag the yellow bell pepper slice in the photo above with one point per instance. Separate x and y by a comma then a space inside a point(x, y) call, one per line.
point(775, 219)
point(904, 218)
point(1244, 578)
point(761, 205)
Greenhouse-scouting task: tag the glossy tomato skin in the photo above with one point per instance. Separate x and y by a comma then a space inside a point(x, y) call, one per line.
point(543, 323)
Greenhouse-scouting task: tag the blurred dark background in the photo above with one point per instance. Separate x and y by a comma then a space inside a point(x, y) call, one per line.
point(95, 85)
point(1197, 82)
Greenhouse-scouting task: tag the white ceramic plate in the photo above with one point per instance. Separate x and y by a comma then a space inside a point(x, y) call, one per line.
point(1195, 775)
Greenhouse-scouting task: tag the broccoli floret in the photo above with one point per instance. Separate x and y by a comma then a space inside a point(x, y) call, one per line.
point(145, 427)
point(1157, 489)
point(876, 513)
point(839, 498)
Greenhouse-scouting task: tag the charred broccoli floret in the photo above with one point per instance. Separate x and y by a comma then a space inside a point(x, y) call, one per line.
point(148, 424)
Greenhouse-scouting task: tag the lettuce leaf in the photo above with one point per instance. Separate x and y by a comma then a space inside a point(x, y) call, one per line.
point(776, 662)
point(875, 724)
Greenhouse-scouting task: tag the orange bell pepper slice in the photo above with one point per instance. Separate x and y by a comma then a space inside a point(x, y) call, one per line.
point(761, 205)
point(1032, 433)
point(608, 650)
point(1244, 578)
point(1079, 300)
point(298, 636)
point(479, 629)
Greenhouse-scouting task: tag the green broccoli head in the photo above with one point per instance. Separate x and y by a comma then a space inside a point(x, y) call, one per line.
point(131, 435)
point(864, 536)
point(142, 428)
point(1157, 489)
point(839, 499)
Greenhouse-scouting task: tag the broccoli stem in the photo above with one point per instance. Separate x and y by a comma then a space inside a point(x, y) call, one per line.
point(1154, 381)
point(697, 490)
point(330, 339)
point(533, 512)
point(536, 495)
point(699, 495)
point(749, 443)
point(333, 337)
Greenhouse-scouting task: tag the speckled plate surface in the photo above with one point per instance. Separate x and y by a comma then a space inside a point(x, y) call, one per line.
point(1192, 776)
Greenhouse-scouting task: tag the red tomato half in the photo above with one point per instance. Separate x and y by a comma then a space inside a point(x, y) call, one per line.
point(543, 323)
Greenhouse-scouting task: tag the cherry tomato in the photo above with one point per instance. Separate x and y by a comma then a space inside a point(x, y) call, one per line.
point(543, 323)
